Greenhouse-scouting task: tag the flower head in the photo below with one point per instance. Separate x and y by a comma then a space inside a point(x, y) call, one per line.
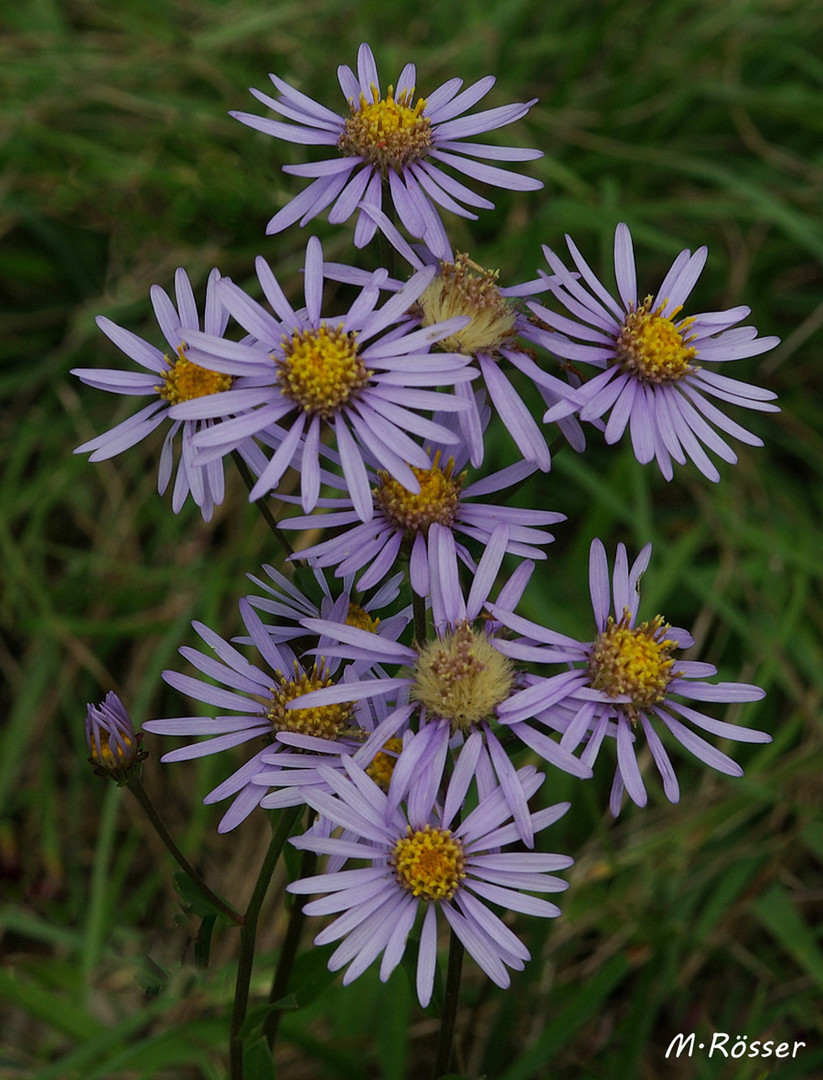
point(496, 333)
point(363, 374)
point(114, 747)
point(654, 380)
point(459, 683)
point(627, 682)
point(403, 519)
point(259, 706)
point(172, 378)
point(395, 141)
point(420, 861)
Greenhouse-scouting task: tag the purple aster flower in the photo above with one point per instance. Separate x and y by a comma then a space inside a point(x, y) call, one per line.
point(458, 682)
point(393, 142)
point(653, 380)
point(114, 747)
point(626, 681)
point(491, 335)
point(364, 374)
point(290, 605)
point(402, 519)
point(421, 857)
point(171, 378)
point(256, 702)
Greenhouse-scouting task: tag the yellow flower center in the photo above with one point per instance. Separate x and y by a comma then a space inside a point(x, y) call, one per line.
point(635, 661)
point(320, 370)
point(388, 132)
point(438, 499)
point(653, 347)
point(464, 288)
point(323, 721)
point(462, 677)
point(108, 758)
point(360, 619)
point(429, 863)
point(384, 761)
point(185, 380)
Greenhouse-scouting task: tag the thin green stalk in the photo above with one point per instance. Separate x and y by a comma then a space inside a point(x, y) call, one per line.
point(248, 936)
point(264, 508)
point(445, 1042)
point(280, 983)
point(135, 786)
point(419, 612)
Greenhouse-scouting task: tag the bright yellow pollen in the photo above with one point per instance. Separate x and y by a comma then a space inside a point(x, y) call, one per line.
point(382, 766)
point(388, 132)
point(653, 347)
point(185, 380)
point(462, 677)
point(323, 721)
point(360, 618)
point(320, 370)
point(464, 288)
point(429, 863)
point(635, 661)
point(438, 499)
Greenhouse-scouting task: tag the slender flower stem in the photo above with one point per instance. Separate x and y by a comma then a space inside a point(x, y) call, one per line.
point(419, 611)
point(135, 786)
point(280, 983)
point(248, 479)
point(248, 936)
point(445, 1043)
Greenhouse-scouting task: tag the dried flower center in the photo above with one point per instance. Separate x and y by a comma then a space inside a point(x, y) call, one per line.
point(429, 863)
point(323, 721)
point(635, 661)
point(653, 347)
point(462, 677)
point(185, 380)
point(321, 369)
point(438, 499)
point(384, 761)
point(388, 132)
point(464, 288)
point(360, 618)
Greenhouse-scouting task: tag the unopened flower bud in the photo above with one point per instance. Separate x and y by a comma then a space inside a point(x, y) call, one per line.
point(114, 747)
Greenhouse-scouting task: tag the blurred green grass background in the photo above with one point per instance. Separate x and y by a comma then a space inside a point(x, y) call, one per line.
point(694, 122)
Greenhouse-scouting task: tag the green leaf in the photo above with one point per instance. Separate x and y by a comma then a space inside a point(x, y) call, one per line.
point(257, 1061)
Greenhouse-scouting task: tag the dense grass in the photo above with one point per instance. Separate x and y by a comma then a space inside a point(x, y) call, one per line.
point(695, 123)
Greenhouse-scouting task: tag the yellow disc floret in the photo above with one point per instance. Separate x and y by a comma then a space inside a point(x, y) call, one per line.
point(388, 132)
point(384, 761)
point(438, 499)
point(323, 721)
point(464, 288)
point(321, 369)
point(429, 863)
point(634, 661)
point(185, 380)
point(461, 677)
point(653, 347)
point(360, 619)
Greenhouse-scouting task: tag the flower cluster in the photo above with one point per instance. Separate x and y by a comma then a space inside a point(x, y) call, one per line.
point(395, 690)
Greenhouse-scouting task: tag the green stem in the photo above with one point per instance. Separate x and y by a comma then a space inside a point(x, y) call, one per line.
point(135, 786)
point(264, 508)
point(419, 611)
point(280, 983)
point(445, 1043)
point(248, 936)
